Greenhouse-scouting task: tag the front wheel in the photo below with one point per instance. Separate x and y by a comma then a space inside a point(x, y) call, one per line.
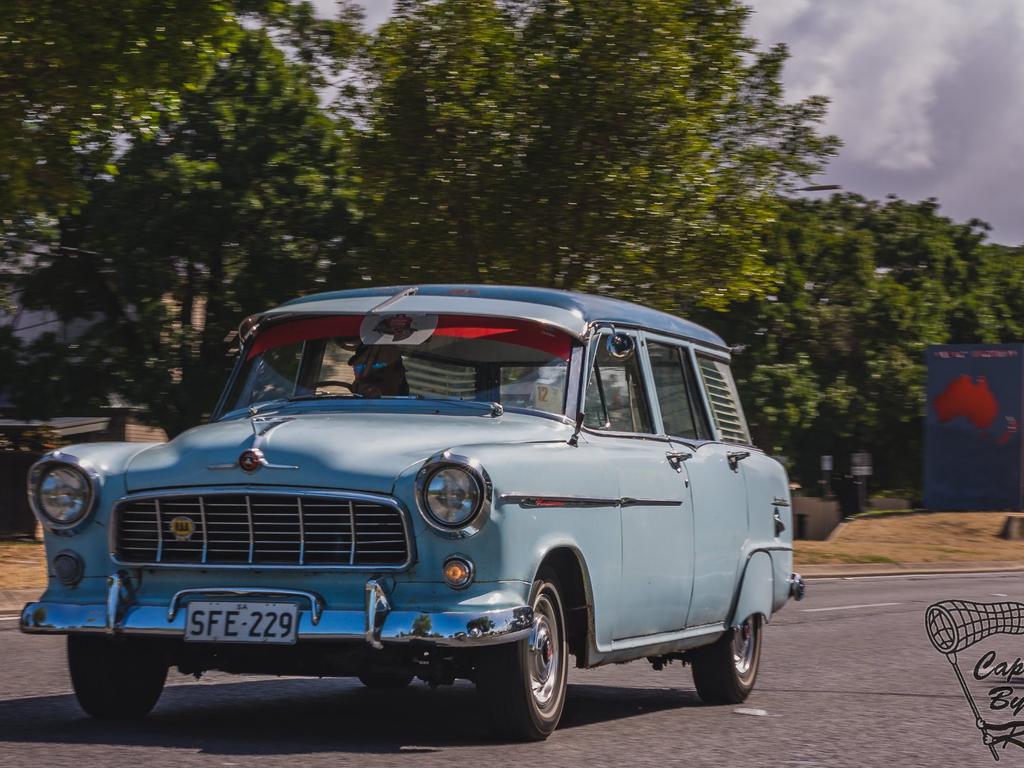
point(523, 684)
point(725, 671)
point(115, 679)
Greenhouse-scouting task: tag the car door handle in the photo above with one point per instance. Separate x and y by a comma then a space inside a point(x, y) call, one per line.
point(676, 459)
point(735, 457)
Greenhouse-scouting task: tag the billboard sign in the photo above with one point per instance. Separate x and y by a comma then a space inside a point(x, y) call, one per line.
point(972, 444)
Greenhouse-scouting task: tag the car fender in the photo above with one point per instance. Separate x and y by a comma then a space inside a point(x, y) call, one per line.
point(756, 591)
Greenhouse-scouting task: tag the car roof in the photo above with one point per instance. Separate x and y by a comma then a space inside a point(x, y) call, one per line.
point(570, 311)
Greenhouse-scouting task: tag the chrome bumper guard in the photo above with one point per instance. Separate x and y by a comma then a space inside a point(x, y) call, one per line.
point(797, 587)
point(377, 625)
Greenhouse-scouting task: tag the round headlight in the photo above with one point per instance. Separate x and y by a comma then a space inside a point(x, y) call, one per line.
point(452, 496)
point(63, 494)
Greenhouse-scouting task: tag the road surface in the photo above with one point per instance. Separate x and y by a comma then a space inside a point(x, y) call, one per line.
point(848, 678)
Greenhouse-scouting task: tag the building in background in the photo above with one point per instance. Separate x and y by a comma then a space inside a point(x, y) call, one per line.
point(22, 441)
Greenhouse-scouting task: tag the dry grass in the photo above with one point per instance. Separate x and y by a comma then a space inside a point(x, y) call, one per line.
point(940, 537)
point(22, 565)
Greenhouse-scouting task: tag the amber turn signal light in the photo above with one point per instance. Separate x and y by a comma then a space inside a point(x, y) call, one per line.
point(458, 572)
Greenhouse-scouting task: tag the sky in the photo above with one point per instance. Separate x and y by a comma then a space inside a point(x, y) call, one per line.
point(927, 95)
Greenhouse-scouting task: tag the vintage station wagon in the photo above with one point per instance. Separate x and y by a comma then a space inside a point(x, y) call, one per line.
point(431, 482)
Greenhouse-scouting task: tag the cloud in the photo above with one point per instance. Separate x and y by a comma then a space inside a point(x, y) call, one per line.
point(927, 95)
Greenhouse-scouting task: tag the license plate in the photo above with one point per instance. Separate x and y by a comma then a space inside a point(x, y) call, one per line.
point(230, 622)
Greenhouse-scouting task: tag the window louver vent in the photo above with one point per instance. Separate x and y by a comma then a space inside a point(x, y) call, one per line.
point(724, 402)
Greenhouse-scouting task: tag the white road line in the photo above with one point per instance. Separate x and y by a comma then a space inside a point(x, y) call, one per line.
point(849, 607)
point(921, 576)
point(9, 618)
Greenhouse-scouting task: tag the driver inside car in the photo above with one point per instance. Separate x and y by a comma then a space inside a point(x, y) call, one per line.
point(378, 371)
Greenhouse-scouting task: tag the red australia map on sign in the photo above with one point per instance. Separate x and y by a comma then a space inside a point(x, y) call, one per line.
point(973, 400)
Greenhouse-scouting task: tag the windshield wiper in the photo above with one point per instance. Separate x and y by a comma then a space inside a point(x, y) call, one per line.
point(493, 406)
point(300, 398)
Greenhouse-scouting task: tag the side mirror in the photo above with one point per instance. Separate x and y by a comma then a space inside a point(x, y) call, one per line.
point(620, 346)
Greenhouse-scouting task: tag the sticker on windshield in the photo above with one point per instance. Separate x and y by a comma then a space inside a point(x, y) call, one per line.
point(401, 328)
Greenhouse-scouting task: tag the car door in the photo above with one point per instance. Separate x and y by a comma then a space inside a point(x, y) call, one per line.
point(657, 544)
point(718, 486)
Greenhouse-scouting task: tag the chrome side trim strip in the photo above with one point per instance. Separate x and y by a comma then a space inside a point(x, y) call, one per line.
point(626, 501)
point(779, 502)
point(530, 501)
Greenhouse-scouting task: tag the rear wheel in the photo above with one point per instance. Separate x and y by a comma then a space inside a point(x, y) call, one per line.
point(523, 684)
point(115, 679)
point(725, 671)
point(384, 682)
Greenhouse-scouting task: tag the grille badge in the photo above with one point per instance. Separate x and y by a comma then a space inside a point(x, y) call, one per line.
point(182, 528)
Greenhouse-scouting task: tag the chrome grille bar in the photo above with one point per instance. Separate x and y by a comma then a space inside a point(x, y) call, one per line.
point(202, 515)
point(352, 532)
point(252, 534)
point(159, 531)
point(238, 527)
point(302, 531)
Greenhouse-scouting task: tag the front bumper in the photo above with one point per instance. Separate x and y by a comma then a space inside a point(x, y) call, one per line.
point(376, 625)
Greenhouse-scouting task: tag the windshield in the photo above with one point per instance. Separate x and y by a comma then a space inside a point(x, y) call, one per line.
point(515, 362)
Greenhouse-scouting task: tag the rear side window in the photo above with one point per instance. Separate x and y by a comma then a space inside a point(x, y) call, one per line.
point(681, 411)
point(615, 393)
point(725, 403)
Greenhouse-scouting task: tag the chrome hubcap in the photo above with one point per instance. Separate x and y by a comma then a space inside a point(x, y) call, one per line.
point(545, 654)
point(744, 647)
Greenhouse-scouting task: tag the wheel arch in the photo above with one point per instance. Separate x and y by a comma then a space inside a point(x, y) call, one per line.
point(570, 566)
point(755, 594)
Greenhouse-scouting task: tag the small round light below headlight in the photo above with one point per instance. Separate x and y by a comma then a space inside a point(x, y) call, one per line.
point(68, 567)
point(452, 496)
point(458, 572)
point(63, 494)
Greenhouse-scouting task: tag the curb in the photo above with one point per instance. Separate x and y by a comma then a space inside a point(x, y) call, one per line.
point(851, 570)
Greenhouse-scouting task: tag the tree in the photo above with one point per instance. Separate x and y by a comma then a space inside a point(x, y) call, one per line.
point(632, 147)
point(239, 203)
point(833, 359)
point(76, 77)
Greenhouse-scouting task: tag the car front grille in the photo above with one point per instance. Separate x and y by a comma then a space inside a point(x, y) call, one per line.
point(261, 529)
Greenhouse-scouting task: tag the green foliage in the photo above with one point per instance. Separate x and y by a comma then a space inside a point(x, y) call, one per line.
point(834, 358)
point(237, 204)
point(75, 76)
point(632, 147)
point(201, 161)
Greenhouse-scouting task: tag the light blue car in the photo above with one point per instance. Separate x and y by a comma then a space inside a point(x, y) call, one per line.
point(431, 481)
